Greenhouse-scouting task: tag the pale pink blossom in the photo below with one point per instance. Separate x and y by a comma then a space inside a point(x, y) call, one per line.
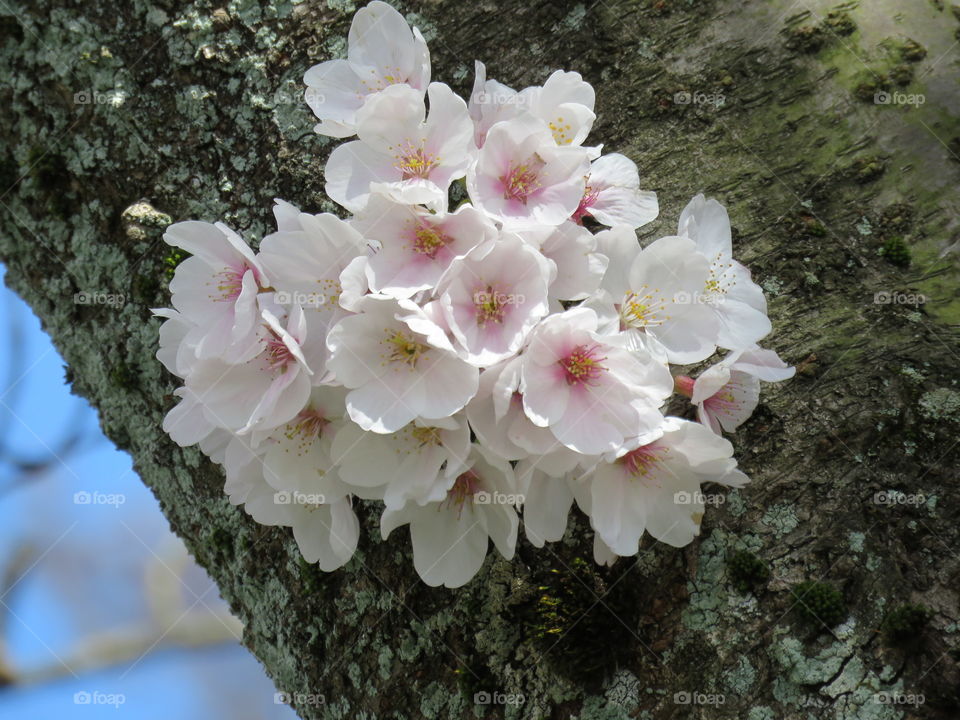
point(591, 391)
point(398, 365)
point(727, 393)
point(418, 463)
point(416, 246)
point(382, 50)
point(450, 537)
point(216, 289)
point(401, 154)
point(737, 303)
point(493, 296)
point(523, 179)
point(613, 195)
point(654, 486)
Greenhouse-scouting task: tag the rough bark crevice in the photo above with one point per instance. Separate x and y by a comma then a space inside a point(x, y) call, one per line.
point(117, 123)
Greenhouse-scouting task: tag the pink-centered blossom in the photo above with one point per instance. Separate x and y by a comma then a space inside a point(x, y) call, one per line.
point(493, 296)
point(398, 365)
point(588, 389)
point(401, 152)
point(524, 179)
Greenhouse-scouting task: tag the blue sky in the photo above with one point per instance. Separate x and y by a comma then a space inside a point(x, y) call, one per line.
point(99, 602)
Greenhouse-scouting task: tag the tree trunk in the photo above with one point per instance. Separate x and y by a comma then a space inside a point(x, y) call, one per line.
point(117, 122)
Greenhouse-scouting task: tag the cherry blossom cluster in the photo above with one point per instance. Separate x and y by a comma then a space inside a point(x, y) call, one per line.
point(459, 365)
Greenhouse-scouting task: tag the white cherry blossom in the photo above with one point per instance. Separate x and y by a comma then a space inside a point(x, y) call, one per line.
point(727, 393)
point(654, 486)
point(523, 179)
point(613, 195)
point(493, 296)
point(401, 152)
point(450, 537)
point(593, 393)
point(418, 463)
point(398, 364)
point(416, 246)
point(382, 50)
point(216, 289)
point(737, 303)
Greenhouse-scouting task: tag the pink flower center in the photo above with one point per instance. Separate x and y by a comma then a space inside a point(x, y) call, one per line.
point(415, 162)
point(586, 204)
point(229, 284)
point(582, 366)
point(640, 462)
point(464, 488)
point(522, 180)
point(723, 401)
point(278, 355)
point(429, 241)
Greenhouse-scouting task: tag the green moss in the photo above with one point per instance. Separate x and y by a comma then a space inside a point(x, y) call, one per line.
point(896, 252)
point(840, 22)
point(747, 571)
point(806, 38)
point(311, 575)
point(866, 169)
point(222, 544)
point(903, 624)
point(10, 28)
point(48, 169)
point(901, 74)
point(566, 619)
point(868, 84)
point(912, 51)
point(819, 602)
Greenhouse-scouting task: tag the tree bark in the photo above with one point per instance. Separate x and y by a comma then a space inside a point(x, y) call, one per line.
point(120, 119)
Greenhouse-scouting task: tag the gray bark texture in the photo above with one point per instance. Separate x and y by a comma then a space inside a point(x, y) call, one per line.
point(118, 119)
